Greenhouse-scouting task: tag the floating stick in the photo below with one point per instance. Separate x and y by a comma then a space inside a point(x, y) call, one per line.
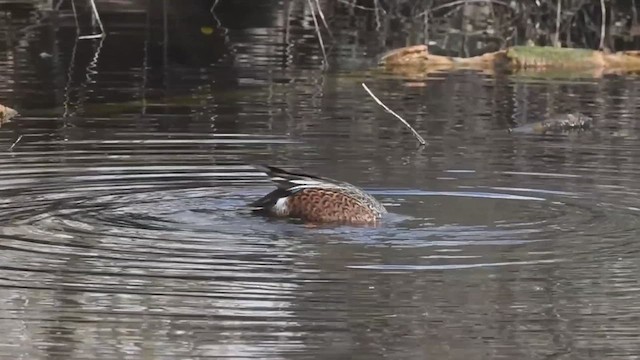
point(315, 23)
point(420, 139)
point(15, 142)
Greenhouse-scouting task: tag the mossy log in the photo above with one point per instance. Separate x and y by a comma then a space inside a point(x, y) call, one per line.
point(418, 58)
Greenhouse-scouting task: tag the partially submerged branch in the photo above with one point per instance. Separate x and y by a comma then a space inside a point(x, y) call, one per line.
point(420, 139)
point(315, 23)
point(324, 21)
point(15, 142)
point(603, 24)
point(96, 18)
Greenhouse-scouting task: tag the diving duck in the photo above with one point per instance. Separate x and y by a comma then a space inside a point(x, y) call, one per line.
point(315, 199)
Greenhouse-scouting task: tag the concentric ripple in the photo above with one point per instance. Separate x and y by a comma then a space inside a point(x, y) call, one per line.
point(143, 220)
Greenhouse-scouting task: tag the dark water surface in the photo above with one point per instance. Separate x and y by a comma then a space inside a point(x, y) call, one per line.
point(124, 234)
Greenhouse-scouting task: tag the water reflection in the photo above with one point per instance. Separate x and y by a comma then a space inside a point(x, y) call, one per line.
point(124, 231)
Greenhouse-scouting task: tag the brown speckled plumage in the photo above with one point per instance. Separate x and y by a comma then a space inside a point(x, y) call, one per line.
point(318, 200)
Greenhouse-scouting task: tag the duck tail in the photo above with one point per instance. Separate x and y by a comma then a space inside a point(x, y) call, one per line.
point(266, 203)
point(287, 180)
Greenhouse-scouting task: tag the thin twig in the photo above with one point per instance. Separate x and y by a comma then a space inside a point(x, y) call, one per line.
point(354, 6)
point(287, 21)
point(15, 142)
point(75, 16)
point(425, 29)
point(634, 14)
point(96, 16)
point(324, 21)
point(461, 2)
point(375, 6)
point(68, 101)
point(603, 8)
point(315, 23)
point(556, 40)
point(420, 139)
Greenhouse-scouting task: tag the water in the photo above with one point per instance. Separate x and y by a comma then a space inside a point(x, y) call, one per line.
point(124, 233)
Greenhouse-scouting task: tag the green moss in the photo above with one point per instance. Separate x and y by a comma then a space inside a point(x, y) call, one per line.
point(547, 55)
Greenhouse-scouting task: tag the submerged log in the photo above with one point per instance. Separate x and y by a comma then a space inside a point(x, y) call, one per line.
point(556, 124)
point(516, 58)
point(419, 56)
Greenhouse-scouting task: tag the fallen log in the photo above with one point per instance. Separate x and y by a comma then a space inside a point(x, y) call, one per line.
point(417, 58)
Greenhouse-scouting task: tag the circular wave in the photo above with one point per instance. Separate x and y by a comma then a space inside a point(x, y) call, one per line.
point(169, 217)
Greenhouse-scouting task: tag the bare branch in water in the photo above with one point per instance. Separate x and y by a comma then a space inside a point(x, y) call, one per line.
point(96, 17)
point(324, 21)
point(15, 143)
point(556, 39)
point(353, 5)
point(375, 6)
point(315, 23)
point(420, 139)
point(603, 25)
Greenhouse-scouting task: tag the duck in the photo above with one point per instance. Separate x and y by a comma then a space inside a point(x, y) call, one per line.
point(317, 200)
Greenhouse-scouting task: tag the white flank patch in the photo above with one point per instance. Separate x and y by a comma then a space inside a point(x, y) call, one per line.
point(280, 207)
point(316, 186)
point(305, 182)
